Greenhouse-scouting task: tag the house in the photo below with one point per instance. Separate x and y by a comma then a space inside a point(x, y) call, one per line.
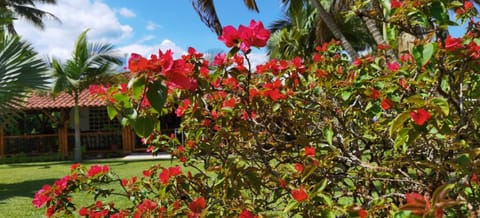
point(47, 127)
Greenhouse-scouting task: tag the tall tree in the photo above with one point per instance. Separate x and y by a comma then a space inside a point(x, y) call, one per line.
point(207, 12)
point(26, 9)
point(301, 30)
point(89, 63)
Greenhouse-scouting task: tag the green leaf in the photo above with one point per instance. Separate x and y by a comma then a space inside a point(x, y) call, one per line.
point(290, 206)
point(143, 126)
point(157, 95)
point(439, 12)
point(276, 106)
point(112, 112)
point(138, 85)
point(346, 95)
point(423, 53)
point(442, 105)
point(328, 134)
point(401, 138)
point(397, 123)
point(440, 193)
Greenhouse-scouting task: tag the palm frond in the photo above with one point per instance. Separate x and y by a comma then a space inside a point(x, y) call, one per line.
point(208, 14)
point(251, 4)
point(20, 72)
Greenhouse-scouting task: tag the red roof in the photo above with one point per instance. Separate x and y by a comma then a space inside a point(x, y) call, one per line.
point(62, 100)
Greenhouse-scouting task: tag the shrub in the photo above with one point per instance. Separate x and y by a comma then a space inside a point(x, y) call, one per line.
point(323, 136)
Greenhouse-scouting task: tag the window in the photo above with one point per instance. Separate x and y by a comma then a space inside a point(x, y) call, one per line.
point(98, 119)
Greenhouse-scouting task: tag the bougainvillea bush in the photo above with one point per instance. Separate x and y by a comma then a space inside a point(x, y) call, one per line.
point(323, 136)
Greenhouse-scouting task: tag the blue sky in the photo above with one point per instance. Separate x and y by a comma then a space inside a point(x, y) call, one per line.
point(143, 26)
point(140, 26)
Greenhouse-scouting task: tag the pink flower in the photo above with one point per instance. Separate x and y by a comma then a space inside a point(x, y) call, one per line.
point(230, 36)
point(393, 66)
point(42, 196)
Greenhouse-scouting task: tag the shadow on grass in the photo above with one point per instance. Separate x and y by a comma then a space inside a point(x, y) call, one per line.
point(23, 189)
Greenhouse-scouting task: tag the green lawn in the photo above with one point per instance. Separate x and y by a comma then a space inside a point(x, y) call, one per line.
point(19, 182)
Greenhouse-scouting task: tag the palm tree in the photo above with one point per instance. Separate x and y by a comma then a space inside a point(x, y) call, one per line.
point(89, 63)
point(27, 10)
point(20, 72)
point(208, 15)
point(298, 33)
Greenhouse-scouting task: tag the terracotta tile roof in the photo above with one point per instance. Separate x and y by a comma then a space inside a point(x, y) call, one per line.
point(63, 100)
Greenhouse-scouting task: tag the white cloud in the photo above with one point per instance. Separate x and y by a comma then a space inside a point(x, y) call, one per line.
point(257, 59)
point(147, 50)
point(57, 38)
point(125, 12)
point(152, 26)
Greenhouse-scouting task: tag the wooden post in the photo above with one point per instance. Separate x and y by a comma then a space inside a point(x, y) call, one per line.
point(62, 127)
point(127, 139)
point(2, 142)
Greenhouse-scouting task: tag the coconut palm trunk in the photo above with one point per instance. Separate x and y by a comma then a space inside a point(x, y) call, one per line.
point(337, 33)
point(76, 122)
point(377, 35)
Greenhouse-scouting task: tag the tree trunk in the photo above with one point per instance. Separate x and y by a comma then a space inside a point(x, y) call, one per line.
point(377, 36)
point(76, 120)
point(337, 33)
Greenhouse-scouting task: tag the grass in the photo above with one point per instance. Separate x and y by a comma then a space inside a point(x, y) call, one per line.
point(19, 182)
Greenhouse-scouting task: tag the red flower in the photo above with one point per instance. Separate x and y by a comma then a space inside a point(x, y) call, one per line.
point(137, 63)
point(74, 166)
point(393, 66)
point(97, 90)
point(375, 94)
point(310, 151)
point(386, 104)
point(467, 5)
point(362, 213)
point(282, 183)
point(97, 169)
point(165, 175)
point(395, 4)
point(230, 36)
point(420, 203)
point(420, 116)
point(452, 44)
point(197, 205)
point(147, 205)
point(475, 178)
point(299, 194)
point(403, 83)
point(175, 171)
point(181, 108)
point(246, 214)
point(230, 103)
point(299, 167)
point(83, 211)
